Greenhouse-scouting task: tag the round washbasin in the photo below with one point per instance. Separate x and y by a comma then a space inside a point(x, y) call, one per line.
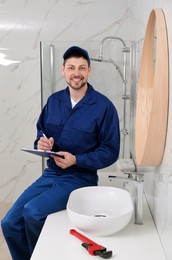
point(100, 211)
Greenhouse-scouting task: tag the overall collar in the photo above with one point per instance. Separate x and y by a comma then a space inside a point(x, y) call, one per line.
point(88, 99)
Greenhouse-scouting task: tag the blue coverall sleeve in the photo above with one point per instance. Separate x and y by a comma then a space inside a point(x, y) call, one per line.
point(109, 143)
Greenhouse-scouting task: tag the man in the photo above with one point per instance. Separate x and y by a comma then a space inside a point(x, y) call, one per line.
point(82, 126)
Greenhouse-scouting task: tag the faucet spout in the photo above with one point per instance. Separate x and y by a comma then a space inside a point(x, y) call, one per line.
point(137, 181)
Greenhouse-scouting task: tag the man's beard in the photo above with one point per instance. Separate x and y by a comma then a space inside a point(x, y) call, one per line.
point(76, 86)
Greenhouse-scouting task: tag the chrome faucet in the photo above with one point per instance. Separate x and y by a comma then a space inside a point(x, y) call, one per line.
point(137, 179)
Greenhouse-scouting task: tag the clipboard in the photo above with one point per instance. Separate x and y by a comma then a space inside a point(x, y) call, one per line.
point(41, 152)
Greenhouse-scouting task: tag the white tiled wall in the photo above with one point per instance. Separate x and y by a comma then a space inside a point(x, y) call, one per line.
point(23, 24)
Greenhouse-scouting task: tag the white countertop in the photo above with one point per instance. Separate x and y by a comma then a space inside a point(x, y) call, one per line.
point(133, 242)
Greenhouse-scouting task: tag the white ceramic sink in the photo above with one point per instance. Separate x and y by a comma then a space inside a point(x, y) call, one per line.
point(99, 210)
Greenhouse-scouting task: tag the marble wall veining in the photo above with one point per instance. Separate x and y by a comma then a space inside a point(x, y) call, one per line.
point(23, 24)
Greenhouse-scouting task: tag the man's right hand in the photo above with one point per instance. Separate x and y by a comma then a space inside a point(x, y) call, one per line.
point(45, 143)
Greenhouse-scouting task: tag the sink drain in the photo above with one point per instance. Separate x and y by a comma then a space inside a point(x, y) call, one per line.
point(100, 216)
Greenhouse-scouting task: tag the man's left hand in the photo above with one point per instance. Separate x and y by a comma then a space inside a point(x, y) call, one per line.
point(68, 160)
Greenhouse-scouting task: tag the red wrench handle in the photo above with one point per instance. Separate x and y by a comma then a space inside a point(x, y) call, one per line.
point(82, 237)
point(93, 247)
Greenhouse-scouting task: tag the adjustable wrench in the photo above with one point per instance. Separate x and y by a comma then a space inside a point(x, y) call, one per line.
point(91, 246)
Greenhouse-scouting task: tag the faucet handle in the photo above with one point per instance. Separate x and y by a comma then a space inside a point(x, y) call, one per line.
point(126, 165)
point(139, 177)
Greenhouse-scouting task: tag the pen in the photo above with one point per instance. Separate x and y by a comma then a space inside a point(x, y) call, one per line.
point(44, 136)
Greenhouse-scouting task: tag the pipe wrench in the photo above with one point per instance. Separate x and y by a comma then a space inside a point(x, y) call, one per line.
point(91, 246)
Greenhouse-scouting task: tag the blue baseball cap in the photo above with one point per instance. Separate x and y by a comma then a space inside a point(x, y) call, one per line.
point(78, 51)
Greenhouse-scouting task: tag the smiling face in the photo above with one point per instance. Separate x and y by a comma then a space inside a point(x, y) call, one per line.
point(76, 72)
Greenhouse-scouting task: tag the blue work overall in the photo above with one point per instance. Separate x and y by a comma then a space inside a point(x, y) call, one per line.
point(90, 131)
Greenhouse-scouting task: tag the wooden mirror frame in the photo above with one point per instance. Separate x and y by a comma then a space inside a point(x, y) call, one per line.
point(152, 95)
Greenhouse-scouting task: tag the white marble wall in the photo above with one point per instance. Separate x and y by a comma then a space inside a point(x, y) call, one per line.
point(23, 24)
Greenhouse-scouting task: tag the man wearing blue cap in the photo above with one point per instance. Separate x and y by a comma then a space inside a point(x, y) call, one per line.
point(82, 126)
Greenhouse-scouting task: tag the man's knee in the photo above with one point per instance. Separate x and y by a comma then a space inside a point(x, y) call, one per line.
point(31, 213)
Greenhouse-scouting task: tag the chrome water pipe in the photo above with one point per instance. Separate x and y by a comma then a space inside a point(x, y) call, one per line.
point(125, 50)
point(112, 62)
point(137, 179)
